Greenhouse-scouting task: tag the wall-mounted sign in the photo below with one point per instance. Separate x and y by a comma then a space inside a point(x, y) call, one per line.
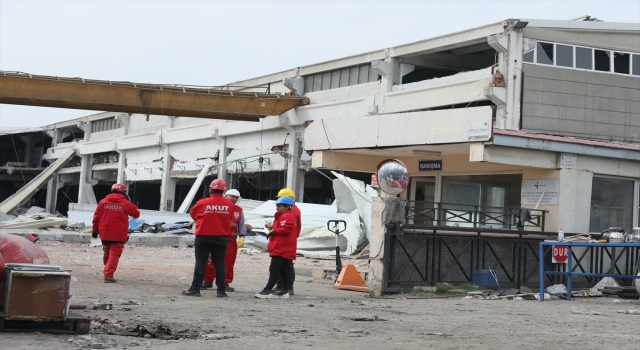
point(430, 165)
point(479, 131)
point(544, 190)
point(569, 160)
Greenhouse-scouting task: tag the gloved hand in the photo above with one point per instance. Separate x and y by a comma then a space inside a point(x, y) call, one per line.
point(269, 234)
point(94, 235)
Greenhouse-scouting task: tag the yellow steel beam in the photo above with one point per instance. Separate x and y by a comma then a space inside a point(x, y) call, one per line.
point(172, 100)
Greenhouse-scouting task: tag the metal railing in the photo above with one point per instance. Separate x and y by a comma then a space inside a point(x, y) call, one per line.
point(476, 217)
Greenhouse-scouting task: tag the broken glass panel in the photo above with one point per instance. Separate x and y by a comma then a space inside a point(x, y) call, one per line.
point(528, 57)
point(621, 62)
point(545, 53)
point(564, 55)
point(602, 60)
point(584, 58)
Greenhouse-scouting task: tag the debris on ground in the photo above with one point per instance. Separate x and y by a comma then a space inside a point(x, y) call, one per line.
point(629, 312)
point(585, 312)
point(152, 329)
point(367, 318)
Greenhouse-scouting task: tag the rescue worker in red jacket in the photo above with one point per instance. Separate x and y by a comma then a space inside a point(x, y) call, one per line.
point(213, 226)
point(111, 223)
point(282, 246)
point(237, 229)
point(287, 192)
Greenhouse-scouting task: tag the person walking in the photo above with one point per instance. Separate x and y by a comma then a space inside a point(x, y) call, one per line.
point(287, 192)
point(111, 224)
point(238, 228)
point(213, 217)
point(282, 246)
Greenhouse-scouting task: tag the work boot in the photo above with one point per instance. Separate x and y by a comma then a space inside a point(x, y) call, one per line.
point(263, 294)
point(281, 294)
point(191, 292)
point(221, 295)
point(228, 288)
point(206, 285)
point(109, 280)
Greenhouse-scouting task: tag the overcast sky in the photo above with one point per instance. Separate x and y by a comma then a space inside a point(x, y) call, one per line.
point(218, 42)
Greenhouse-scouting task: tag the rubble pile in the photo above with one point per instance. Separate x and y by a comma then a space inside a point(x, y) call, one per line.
point(154, 329)
point(36, 218)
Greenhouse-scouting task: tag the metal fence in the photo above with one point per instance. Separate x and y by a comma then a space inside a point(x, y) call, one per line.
point(437, 214)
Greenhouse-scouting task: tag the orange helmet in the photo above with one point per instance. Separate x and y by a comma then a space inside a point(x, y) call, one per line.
point(119, 188)
point(218, 184)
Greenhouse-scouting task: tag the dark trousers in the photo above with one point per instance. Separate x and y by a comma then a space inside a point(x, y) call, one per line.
point(279, 270)
point(291, 271)
point(217, 247)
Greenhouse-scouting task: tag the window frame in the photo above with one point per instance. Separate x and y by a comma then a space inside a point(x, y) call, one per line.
point(635, 215)
point(593, 63)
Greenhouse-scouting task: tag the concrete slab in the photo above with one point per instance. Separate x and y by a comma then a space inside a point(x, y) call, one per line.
point(161, 240)
point(52, 236)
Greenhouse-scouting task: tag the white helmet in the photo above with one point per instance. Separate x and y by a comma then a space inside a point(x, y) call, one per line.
point(233, 192)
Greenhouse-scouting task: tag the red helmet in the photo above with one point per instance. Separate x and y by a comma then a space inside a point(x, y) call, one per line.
point(119, 188)
point(218, 184)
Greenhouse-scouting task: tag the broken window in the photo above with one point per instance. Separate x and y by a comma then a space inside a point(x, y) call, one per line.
point(584, 58)
point(621, 62)
point(636, 65)
point(528, 57)
point(545, 53)
point(602, 60)
point(564, 55)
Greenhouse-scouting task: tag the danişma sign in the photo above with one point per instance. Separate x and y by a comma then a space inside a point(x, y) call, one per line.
point(430, 165)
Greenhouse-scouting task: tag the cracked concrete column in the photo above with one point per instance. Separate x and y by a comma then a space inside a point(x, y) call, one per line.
point(122, 154)
point(295, 176)
point(85, 186)
point(375, 277)
point(52, 185)
point(168, 185)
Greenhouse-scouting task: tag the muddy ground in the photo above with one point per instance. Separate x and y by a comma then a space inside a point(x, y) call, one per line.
point(316, 317)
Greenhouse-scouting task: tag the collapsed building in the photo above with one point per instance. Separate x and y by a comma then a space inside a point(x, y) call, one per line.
point(538, 114)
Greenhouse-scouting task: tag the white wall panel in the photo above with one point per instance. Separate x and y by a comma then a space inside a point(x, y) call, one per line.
point(402, 129)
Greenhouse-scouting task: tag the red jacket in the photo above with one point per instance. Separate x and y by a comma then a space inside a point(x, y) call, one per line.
point(111, 219)
point(212, 216)
point(296, 212)
point(283, 240)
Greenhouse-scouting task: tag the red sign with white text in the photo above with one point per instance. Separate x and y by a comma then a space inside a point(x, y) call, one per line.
point(560, 254)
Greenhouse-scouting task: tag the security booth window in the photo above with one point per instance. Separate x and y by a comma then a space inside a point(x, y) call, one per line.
point(488, 195)
point(611, 204)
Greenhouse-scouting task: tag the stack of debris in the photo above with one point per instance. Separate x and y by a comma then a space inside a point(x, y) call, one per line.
point(36, 218)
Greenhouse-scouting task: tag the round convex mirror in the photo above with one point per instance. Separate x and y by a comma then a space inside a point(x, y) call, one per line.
point(393, 176)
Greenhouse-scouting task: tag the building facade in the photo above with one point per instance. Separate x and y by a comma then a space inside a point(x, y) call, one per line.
point(521, 113)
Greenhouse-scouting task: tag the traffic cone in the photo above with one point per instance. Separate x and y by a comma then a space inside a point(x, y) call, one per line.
point(350, 279)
